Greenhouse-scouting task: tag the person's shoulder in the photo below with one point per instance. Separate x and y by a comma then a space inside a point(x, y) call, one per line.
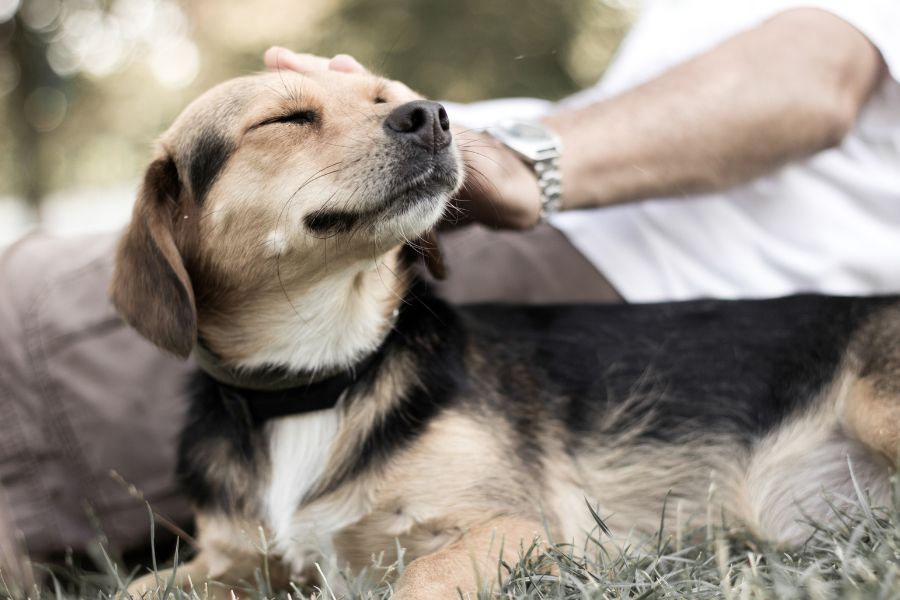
point(878, 20)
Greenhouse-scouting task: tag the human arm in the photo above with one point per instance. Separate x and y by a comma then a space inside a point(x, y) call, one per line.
point(782, 91)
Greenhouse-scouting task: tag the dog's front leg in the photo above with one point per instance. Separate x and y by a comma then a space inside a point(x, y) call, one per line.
point(208, 575)
point(228, 558)
point(192, 573)
point(469, 564)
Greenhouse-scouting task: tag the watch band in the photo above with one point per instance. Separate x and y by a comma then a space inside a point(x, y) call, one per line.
point(549, 181)
point(540, 148)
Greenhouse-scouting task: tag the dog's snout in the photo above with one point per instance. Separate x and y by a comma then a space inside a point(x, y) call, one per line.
point(421, 122)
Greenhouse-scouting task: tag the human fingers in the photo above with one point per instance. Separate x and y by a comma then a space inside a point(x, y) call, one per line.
point(346, 64)
point(282, 58)
point(499, 189)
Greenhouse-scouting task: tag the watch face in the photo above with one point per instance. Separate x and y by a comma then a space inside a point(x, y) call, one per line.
point(524, 130)
point(529, 139)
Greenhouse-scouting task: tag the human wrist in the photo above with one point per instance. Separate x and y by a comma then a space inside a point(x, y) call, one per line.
point(537, 148)
point(520, 189)
point(569, 199)
point(585, 166)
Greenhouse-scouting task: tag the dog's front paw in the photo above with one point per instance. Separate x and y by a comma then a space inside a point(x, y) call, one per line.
point(432, 590)
point(147, 586)
point(188, 577)
point(437, 577)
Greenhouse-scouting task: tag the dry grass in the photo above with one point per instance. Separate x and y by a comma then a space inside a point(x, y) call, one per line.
point(857, 556)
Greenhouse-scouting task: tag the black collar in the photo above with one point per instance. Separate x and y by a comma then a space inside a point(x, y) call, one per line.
point(263, 405)
point(264, 402)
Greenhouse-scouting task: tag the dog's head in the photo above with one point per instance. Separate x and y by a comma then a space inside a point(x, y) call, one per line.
point(272, 181)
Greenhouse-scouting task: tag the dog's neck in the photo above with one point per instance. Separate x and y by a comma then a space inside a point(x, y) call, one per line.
point(317, 328)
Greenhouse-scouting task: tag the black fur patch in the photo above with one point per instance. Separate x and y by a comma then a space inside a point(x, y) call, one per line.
point(429, 332)
point(330, 222)
point(219, 449)
point(209, 154)
point(731, 367)
point(735, 368)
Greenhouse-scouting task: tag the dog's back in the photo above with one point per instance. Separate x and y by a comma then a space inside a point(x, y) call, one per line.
point(664, 402)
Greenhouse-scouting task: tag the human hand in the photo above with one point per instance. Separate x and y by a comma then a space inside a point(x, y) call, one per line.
point(282, 58)
point(499, 190)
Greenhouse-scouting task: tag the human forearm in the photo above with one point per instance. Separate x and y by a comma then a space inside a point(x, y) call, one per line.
point(781, 91)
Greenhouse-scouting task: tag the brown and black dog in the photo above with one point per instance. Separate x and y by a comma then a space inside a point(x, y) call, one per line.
point(341, 407)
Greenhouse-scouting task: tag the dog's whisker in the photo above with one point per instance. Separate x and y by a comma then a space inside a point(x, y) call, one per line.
point(283, 288)
point(486, 157)
point(309, 179)
point(391, 290)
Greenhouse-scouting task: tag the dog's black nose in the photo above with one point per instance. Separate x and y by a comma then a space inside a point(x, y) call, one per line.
point(422, 122)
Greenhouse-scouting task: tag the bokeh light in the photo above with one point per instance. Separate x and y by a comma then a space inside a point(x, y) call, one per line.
point(9, 73)
point(174, 61)
point(45, 108)
point(41, 15)
point(101, 41)
point(8, 8)
point(87, 85)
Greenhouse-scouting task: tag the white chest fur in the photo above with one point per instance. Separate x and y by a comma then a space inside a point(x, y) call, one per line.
point(299, 448)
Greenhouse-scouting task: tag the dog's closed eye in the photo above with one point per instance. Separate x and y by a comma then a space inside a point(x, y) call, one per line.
point(300, 117)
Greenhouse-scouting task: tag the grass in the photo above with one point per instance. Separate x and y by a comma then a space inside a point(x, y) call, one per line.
point(857, 555)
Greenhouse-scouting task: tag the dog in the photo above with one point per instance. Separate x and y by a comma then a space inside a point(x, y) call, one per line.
point(341, 408)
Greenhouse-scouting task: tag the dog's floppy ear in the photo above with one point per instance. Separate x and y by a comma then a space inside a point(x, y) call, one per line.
point(150, 286)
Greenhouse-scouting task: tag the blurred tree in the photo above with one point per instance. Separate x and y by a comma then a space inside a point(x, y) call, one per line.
point(467, 50)
point(86, 85)
point(59, 59)
point(34, 105)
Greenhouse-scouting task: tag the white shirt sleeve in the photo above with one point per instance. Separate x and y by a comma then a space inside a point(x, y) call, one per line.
point(821, 224)
point(878, 20)
point(478, 115)
point(671, 31)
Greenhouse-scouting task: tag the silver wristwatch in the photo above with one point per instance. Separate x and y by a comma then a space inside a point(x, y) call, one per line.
point(539, 147)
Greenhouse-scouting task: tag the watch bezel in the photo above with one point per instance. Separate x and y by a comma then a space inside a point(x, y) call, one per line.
point(531, 149)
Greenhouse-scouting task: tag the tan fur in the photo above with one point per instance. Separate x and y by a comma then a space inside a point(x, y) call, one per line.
point(243, 480)
point(231, 552)
point(869, 411)
point(391, 385)
point(426, 509)
point(872, 415)
point(151, 286)
point(241, 282)
point(804, 468)
point(468, 566)
point(243, 263)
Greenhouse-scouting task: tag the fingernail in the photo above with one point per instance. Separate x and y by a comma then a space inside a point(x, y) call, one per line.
point(345, 63)
point(271, 56)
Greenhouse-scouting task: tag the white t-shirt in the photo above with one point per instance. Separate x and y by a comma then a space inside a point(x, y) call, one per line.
point(830, 223)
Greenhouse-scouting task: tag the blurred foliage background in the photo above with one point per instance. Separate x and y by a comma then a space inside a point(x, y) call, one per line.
point(85, 85)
